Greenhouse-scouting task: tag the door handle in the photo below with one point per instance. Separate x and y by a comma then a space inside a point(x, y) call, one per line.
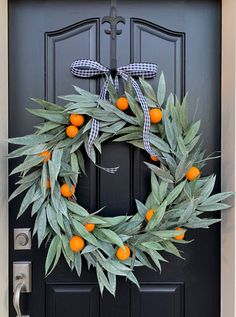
point(16, 296)
point(22, 277)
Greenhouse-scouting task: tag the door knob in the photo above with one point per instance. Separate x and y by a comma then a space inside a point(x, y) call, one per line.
point(22, 283)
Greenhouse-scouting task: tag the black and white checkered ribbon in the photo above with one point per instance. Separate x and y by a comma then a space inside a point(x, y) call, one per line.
point(87, 68)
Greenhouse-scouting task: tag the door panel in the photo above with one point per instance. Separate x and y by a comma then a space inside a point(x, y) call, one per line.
point(183, 38)
point(153, 298)
point(61, 299)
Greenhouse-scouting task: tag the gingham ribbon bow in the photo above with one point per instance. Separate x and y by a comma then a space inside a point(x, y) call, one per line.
point(87, 68)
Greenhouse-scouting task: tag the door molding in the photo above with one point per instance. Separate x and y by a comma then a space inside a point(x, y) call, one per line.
point(228, 163)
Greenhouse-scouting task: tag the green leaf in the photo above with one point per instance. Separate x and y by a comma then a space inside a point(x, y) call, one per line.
point(69, 255)
point(130, 276)
point(77, 209)
point(114, 128)
point(143, 258)
point(44, 177)
point(27, 164)
point(162, 190)
point(86, 93)
point(187, 212)
point(128, 137)
point(216, 198)
point(135, 107)
point(112, 110)
point(48, 105)
point(84, 233)
point(89, 248)
point(170, 133)
point(53, 116)
point(193, 130)
point(112, 282)
point(181, 145)
point(32, 177)
point(167, 234)
point(175, 192)
point(52, 219)
point(138, 144)
point(155, 187)
point(53, 253)
point(201, 223)
point(37, 205)
point(78, 263)
point(148, 90)
point(142, 209)
point(213, 207)
point(42, 223)
point(157, 217)
point(171, 248)
point(28, 199)
point(81, 161)
point(164, 175)
point(183, 167)
point(183, 115)
point(31, 139)
point(102, 279)
point(169, 104)
point(153, 245)
point(193, 143)
point(108, 236)
point(20, 189)
point(54, 166)
point(48, 126)
point(161, 90)
point(155, 257)
point(159, 143)
point(28, 150)
point(206, 190)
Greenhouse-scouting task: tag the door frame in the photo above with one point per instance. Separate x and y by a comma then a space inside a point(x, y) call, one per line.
point(228, 163)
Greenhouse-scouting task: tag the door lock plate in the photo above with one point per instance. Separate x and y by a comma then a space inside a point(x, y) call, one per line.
point(22, 239)
point(23, 270)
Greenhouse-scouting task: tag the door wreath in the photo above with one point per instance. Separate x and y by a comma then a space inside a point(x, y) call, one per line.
point(54, 159)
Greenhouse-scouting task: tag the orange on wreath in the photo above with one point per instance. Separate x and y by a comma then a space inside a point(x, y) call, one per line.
point(76, 244)
point(89, 226)
point(77, 119)
point(149, 214)
point(122, 103)
point(66, 191)
point(72, 131)
point(155, 115)
point(47, 155)
point(123, 253)
point(192, 173)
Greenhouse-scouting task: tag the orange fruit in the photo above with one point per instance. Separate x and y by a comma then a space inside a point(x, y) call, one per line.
point(155, 115)
point(154, 158)
point(77, 119)
point(122, 103)
point(72, 131)
point(47, 155)
point(66, 191)
point(180, 236)
point(89, 226)
point(123, 253)
point(149, 214)
point(192, 173)
point(48, 184)
point(76, 244)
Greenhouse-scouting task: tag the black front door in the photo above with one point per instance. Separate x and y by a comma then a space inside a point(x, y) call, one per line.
point(183, 38)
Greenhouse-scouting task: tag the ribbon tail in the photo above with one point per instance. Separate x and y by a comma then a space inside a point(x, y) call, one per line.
point(144, 105)
point(111, 170)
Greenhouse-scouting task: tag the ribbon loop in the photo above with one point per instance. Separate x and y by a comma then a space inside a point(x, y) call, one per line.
point(148, 70)
point(87, 68)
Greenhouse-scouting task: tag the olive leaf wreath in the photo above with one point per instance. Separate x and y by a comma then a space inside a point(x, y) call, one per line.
point(54, 160)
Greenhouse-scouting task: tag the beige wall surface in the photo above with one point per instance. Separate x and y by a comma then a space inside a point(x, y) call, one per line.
point(228, 225)
point(3, 162)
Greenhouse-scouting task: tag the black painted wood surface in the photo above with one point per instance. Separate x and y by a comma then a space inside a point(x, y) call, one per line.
point(183, 38)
